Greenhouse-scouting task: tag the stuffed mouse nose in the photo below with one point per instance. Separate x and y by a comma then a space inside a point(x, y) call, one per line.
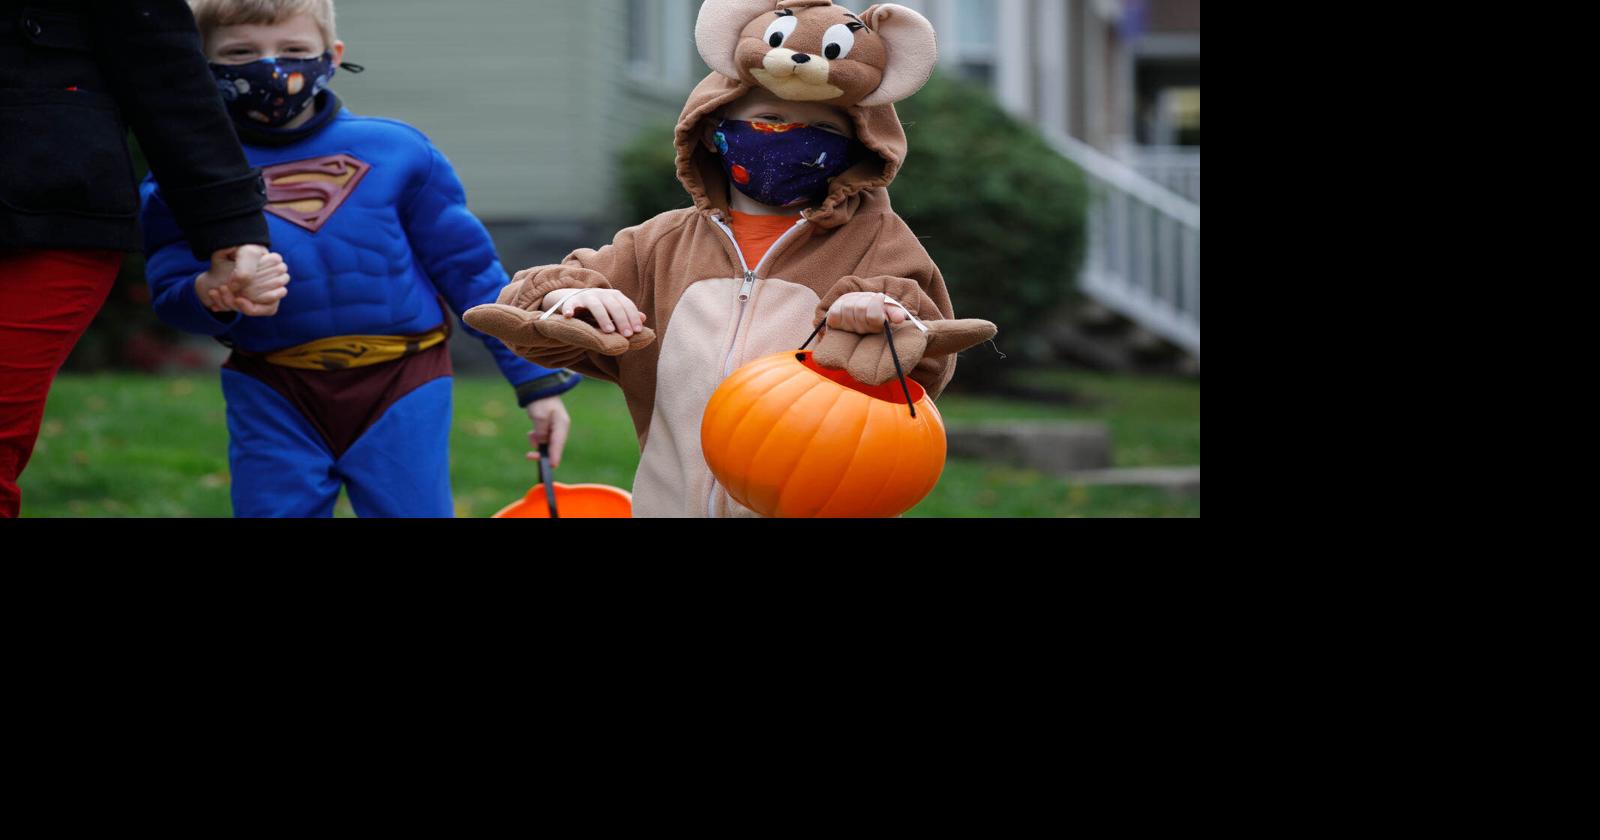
point(801, 58)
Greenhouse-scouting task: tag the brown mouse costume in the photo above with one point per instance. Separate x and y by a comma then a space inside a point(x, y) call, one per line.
point(684, 269)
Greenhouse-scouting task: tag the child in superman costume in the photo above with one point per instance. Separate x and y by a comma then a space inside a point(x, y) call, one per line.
point(349, 383)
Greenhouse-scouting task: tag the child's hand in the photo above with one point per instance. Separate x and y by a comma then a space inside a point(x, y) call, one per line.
point(863, 313)
point(868, 358)
point(248, 280)
point(612, 327)
point(612, 310)
point(551, 424)
point(260, 295)
point(227, 266)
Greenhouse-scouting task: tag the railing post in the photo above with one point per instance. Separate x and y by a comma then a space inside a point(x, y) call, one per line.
point(1143, 253)
point(1191, 259)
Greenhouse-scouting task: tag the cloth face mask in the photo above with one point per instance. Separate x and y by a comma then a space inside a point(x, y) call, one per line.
point(782, 165)
point(272, 91)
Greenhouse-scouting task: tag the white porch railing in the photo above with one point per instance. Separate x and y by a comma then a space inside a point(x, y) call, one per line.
point(1143, 255)
point(1176, 168)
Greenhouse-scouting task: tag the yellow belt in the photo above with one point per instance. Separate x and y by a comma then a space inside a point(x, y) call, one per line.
point(343, 352)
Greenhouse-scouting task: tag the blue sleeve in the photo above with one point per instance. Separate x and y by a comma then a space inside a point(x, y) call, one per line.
point(170, 269)
point(455, 250)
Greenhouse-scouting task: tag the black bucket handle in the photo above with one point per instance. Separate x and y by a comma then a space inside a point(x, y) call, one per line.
point(899, 370)
point(547, 478)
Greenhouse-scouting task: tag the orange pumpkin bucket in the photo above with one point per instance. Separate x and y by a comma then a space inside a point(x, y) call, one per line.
point(552, 500)
point(573, 501)
point(788, 438)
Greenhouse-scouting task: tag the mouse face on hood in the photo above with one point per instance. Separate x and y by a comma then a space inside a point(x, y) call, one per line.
point(815, 51)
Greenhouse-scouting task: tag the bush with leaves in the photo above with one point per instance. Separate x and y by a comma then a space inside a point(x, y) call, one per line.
point(1000, 212)
point(649, 177)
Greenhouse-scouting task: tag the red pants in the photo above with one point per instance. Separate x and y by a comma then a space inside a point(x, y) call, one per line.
point(47, 300)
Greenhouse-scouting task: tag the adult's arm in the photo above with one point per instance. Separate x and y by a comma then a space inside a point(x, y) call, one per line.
point(150, 54)
point(171, 270)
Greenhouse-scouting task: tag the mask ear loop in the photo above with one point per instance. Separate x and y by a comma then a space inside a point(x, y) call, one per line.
point(343, 66)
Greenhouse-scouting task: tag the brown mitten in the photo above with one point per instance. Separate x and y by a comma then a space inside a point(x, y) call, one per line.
point(867, 358)
point(527, 332)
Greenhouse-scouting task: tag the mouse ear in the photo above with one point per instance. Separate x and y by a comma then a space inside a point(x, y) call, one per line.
point(913, 52)
point(717, 31)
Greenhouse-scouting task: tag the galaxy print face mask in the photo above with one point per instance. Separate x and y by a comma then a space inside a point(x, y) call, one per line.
point(782, 165)
point(272, 91)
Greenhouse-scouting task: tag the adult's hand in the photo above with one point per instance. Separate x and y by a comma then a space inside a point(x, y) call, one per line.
point(232, 271)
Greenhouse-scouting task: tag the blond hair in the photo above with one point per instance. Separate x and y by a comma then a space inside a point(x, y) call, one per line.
point(210, 14)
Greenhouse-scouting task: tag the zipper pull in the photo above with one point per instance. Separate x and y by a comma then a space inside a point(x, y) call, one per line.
point(749, 285)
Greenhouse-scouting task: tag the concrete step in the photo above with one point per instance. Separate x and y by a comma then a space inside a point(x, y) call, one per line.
point(1084, 332)
point(1092, 314)
point(1048, 447)
point(1078, 452)
point(1183, 481)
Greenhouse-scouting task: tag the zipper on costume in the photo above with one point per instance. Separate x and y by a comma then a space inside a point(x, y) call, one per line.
point(745, 291)
point(749, 286)
point(743, 263)
point(773, 251)
point(744, 295)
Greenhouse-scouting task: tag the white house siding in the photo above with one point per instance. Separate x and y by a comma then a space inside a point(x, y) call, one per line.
point(531, 100)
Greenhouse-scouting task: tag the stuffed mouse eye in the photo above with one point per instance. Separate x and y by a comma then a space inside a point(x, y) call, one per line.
point(780, 30)
point(838, 41)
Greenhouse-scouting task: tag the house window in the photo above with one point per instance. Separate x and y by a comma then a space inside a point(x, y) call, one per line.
point(642, 43)
point(661, 41)
point(1167, 98)
point(1177, 121)
point(976, 40)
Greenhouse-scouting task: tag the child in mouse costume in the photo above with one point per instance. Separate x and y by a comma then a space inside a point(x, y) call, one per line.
point(787, 149)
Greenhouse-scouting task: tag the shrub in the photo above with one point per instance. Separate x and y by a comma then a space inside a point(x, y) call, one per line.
point(1001, 213)
point(649, 179)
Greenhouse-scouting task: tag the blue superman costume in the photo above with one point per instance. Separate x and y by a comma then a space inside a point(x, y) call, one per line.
point(350, 382)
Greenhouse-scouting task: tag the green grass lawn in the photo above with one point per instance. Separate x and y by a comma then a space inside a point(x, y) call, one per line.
point(118, 445)
point(1154, 422)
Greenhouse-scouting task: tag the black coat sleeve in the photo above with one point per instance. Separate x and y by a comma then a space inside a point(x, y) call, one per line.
point(150, 54)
